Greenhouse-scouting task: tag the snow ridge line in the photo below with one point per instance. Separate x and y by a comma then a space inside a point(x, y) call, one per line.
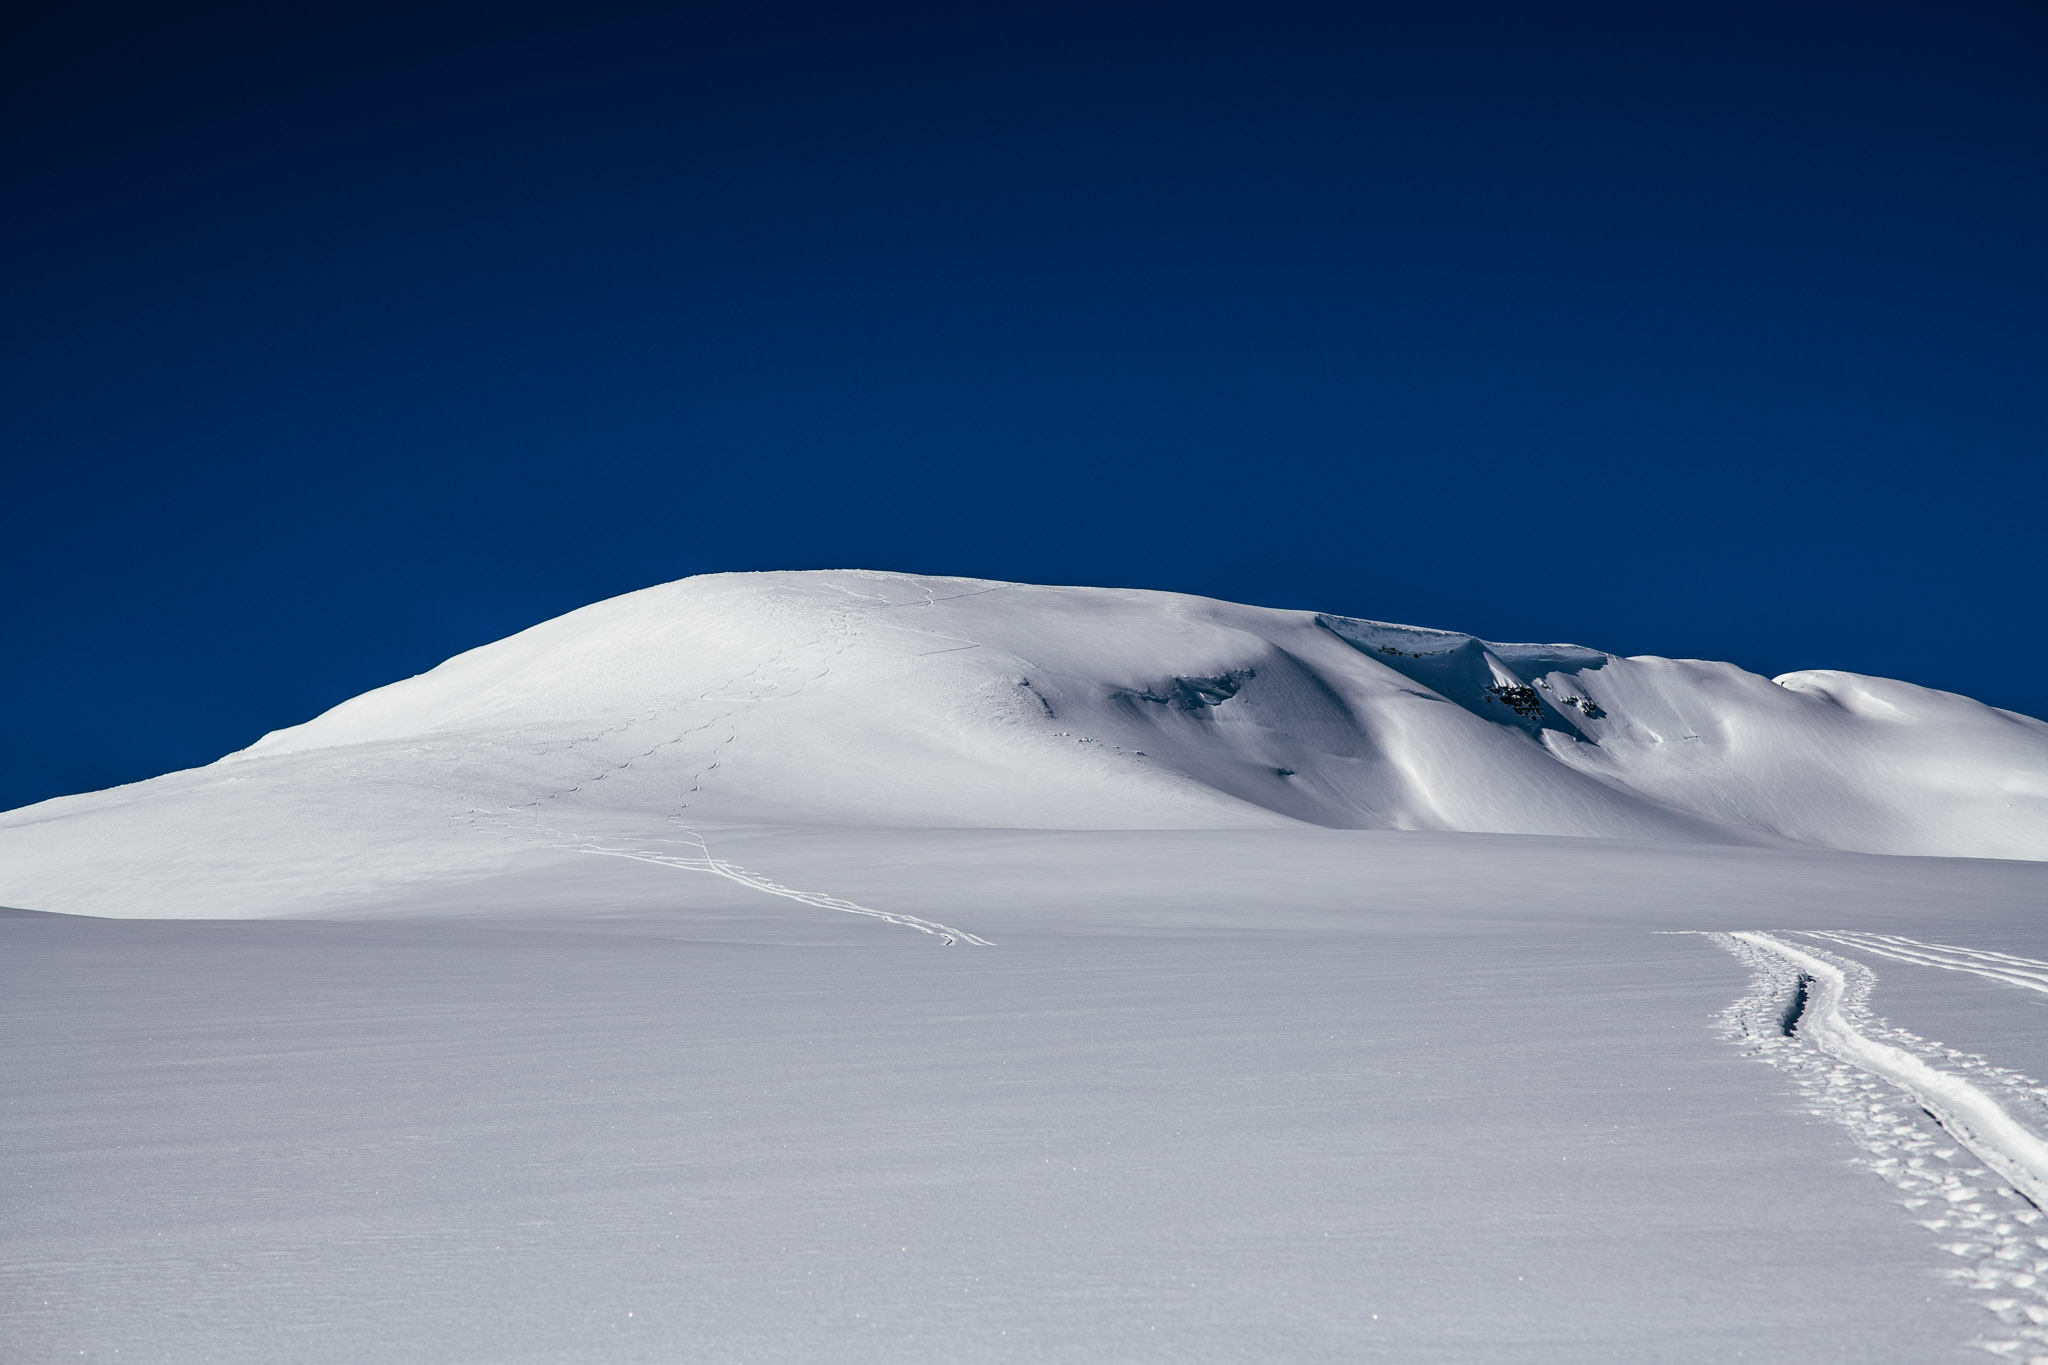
point(1972, 1117)
point(2025, 972)
point(753, 880)
point(1992, 1228)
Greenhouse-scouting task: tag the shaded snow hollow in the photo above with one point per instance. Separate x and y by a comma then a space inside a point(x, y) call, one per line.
point(885, 700)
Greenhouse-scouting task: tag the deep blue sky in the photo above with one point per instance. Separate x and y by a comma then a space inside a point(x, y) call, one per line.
point(337, 340)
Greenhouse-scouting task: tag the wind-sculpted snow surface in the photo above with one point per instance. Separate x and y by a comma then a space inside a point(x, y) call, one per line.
point(855, 699)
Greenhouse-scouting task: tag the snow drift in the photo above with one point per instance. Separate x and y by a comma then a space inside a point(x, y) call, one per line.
point(883, 700)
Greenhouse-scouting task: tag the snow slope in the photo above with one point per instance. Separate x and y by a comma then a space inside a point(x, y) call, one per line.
point(879, 700)
point(588, 1003)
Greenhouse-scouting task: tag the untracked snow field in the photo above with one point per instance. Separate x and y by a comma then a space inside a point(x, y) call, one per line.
point(854, 966)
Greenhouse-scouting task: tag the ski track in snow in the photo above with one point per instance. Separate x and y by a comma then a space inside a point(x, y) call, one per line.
point(1806, 1013)
point(742, 693)
point(704, 861)
point(2025, 972)
point(734, 872)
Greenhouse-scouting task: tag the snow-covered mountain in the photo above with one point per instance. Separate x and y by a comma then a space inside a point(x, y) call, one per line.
point(886, 700)
point(1269, 1027)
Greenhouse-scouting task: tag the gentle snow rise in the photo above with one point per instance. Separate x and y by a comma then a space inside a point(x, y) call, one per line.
point(859, 699)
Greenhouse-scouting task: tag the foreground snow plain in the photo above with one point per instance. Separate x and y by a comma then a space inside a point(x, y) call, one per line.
point(752, 969)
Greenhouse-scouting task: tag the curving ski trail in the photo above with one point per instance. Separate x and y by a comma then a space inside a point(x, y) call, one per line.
point(1806, 1014)
point(1972, 1117)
